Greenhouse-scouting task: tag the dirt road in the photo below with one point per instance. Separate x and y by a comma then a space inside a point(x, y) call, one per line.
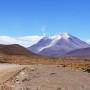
point(45, 77)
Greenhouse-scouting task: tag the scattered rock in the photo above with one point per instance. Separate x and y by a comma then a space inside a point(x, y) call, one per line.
point(58, 89)
point(52, 73)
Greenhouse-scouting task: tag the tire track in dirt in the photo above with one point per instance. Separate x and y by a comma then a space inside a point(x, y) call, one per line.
point(3, 86)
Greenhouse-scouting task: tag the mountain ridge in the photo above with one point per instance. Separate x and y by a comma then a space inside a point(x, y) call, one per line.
point(84, 52)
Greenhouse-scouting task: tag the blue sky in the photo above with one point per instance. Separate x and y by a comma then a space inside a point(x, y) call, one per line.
point(34, 17)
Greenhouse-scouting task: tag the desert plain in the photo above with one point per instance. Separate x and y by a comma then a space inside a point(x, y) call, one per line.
point(42, 77)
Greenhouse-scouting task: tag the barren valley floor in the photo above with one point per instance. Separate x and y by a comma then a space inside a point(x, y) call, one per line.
point(42, 77)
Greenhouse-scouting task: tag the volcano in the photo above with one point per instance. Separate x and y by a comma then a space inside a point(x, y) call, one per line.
point(58, 45)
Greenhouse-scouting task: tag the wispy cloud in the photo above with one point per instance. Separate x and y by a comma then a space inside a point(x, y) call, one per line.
point(43, 30)
point(25, 41)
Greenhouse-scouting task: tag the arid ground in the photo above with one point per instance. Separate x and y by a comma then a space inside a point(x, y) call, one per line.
point(42, 77)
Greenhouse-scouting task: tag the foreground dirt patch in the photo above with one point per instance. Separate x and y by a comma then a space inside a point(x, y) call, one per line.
point(47, 77)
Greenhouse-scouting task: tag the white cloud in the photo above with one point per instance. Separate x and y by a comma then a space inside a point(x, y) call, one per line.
point(24, 41)
point(88, 41)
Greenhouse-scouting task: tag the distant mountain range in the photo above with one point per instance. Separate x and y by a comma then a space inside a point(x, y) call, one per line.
point(62, 44)
point(59, 45)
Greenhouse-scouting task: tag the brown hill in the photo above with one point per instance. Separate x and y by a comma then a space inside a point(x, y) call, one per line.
point(18, 54)
point(14, 49)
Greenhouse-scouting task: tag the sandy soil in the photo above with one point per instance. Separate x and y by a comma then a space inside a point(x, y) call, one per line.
point(8, 70)
point(45, 77)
